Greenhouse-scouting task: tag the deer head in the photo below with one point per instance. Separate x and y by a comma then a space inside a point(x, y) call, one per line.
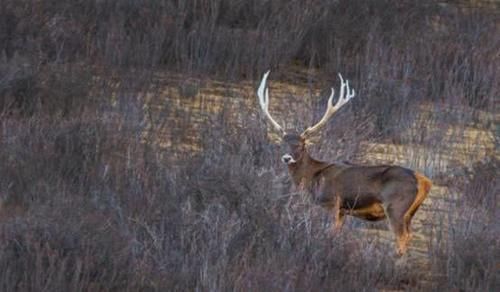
point(295, 143)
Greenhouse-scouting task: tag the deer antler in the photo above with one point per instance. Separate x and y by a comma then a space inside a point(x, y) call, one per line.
point(263, 93)
point(344, 97)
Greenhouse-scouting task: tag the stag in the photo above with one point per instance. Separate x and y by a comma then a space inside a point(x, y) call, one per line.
point(371, 193)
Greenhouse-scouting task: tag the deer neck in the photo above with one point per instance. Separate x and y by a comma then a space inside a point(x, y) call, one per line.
point(304, 170)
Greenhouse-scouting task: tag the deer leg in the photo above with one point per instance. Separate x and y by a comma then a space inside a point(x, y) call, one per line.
point(402, 235)
point(339, 216)
point(399, 226)
point(339, 221)
point(423, 187)
point(407, 221)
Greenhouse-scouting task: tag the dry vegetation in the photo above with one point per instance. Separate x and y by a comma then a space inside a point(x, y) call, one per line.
point(132, 157)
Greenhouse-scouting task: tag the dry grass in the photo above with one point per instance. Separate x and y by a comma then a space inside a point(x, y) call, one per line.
point(133, 157)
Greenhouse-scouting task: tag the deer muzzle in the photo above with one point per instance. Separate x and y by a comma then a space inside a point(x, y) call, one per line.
point(288, 159)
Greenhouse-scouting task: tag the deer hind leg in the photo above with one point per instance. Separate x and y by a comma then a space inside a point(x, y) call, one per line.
point(400, 228)
point(423, 188)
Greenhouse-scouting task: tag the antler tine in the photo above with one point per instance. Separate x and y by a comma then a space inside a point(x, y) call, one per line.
point(263, 94)
point(345, 95)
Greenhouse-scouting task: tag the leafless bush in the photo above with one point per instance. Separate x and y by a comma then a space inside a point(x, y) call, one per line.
point(101, 205)
point(468, 259)
point(65, 250)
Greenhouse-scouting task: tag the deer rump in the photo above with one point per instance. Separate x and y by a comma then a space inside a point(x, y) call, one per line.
point(366, 192)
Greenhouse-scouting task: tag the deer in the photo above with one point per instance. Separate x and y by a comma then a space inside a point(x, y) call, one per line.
point(368, 192)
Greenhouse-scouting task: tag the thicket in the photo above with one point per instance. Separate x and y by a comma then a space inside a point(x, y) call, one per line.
point(91, 202)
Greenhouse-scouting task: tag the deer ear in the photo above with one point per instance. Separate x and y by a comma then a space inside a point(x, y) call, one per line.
point(312, 140)
point(309, 142)
point(274, 138)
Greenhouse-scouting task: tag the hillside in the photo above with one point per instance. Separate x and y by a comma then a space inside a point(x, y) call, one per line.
point(133, 155)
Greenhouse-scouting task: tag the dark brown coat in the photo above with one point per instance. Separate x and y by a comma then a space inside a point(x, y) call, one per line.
point(367, 192)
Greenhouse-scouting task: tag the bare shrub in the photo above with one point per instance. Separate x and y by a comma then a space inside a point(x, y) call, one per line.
point(468, 259)
point(64, 250)
point(104, 205)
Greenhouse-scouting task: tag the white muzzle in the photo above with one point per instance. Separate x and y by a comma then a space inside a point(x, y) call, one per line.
point(288, 159)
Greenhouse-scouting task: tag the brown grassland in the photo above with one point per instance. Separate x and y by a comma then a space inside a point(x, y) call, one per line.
point(133, 156)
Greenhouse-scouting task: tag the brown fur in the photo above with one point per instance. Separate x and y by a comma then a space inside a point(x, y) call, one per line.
point(372, 212)
point(368, 192)
point(424, 185)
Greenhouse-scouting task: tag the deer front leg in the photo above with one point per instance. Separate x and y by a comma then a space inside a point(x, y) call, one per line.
point(338, 215)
